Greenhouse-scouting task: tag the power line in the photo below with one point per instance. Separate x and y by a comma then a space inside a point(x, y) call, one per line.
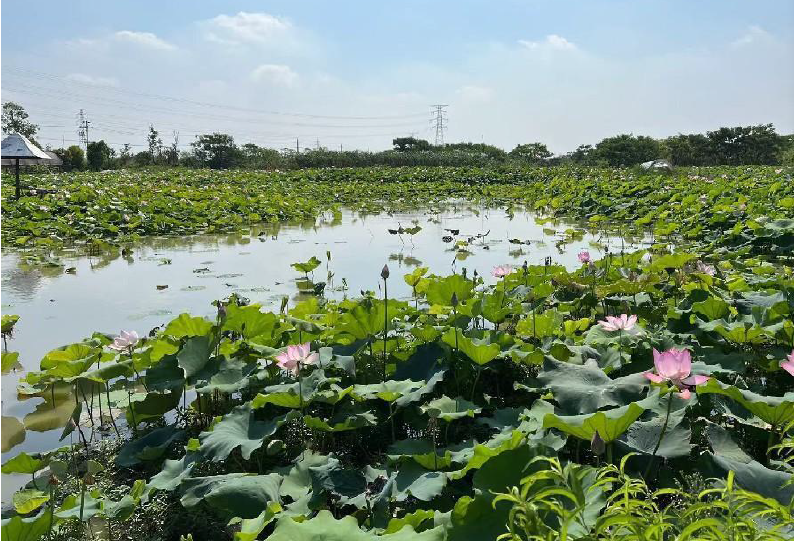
point(43, 75)
point(439, 118)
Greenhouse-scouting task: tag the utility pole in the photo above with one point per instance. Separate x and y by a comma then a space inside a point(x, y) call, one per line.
point(82, 129)
point(439, 118)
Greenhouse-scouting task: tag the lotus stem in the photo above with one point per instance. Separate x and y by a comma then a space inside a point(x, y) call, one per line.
point(474, 387)
point(110, 413)
point(391, 417)
point(385, 322)
point(52, 511)
point(661, 435)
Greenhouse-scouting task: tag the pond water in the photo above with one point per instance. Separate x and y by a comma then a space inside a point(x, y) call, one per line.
point(112, 293)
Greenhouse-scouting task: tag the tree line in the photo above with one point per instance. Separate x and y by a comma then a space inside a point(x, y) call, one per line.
point(742, 145)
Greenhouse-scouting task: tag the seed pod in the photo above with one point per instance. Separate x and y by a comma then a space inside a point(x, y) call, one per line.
point(454, 299)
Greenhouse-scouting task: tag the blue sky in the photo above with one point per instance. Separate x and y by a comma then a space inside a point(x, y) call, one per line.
point(561, 72)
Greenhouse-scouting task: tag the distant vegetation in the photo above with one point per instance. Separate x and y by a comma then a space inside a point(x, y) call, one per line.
point(742, 145)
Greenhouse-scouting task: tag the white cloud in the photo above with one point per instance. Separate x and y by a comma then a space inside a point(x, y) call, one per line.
point(144, 39)
point(92, 80)
point(754, 34)
point(258, 28)
point(552, 41)
point(475, 93)
point(277, 74)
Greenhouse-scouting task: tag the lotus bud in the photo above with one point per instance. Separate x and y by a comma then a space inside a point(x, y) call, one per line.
point(384, 273)
point(284, 301)
point(89, 479)
point(54, 481)
point(597, 444)
point(454, 299)
point(221, 311)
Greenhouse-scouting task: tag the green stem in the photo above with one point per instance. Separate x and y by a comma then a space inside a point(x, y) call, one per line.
point(661, 435)
point(385, 323)
point(391, 417)
point(476, 379)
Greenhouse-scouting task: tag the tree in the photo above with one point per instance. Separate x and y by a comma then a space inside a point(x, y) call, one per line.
point(534, 153)
point(408, 144)
point(72, 157)
point(692, 149)
point(216, 151)
point(15, 120)
point(626, 150)
point(583, 155)
point(256, 157)
point(155, 144)
point(98, 155)
point(479, 149)
point(746, 145)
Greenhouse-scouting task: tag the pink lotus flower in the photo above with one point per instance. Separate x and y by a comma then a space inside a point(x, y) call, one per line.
point(584, 256)
point(501, 271)
point(295, 357)
point(623, 323)
point(704, 268)
point(675, 366)
point(125, 341)
point(788, 364)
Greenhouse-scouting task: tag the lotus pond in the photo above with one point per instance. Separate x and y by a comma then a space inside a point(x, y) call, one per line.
point(625, 374)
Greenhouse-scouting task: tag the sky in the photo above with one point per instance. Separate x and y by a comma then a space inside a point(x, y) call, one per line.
point(355, 74)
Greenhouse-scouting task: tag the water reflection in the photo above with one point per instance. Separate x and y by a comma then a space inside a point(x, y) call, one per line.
point(145, 284)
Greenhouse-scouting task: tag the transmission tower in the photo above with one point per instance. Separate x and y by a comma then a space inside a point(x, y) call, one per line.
point(82, 129)
point(439, 118)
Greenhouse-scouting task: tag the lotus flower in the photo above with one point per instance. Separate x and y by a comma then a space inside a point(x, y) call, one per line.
point(675, 366)
point(788, 364)
point(623, 323)
point(584, 256)
point(501, 271)
point(125, 341)
point(295, 356)
point(704, 268)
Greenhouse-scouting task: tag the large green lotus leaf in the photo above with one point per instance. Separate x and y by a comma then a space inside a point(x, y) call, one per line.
point(333, 478)
point(227, 376)
point(749, 474)
point(736, 332)
point(422, 452)
point(71, 506)
point(541, 326)
point(26, 463)
point(440, 290)
point(343, 420)
point(250, 528)
point(165, 375)
point(610, 424)
point(297, 478)
point(671, 261)
point(775, 410)
point(153, 406)
point(642, 437)
point(476, 518)
point(413, 480)
point(10, 361)
point(449, 409)
point(289, 395)
point(173, 473)
point(13, 433)
point(125, 507)
point(109, 372)
point(28, 500)
point(415, 520)
point(367, 318)
point(239, 428)
point(70, 353)
point(194, 355)
point(388, 391)
point(17, 528)
point(480, 351)
point(581, 389)
point(70, 370)
point(149, 447)
point(481, 453)
point(8, 322)
point(329, 359)
point(250, 322)
point(185, 325)
point(494, 307)
point(234, 494)
point(711, 309)
point(324, 527)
